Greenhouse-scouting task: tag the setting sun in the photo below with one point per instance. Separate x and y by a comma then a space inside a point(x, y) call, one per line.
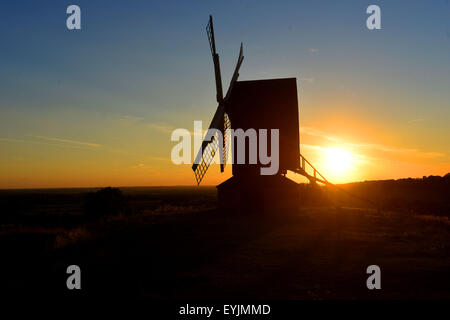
point(338, 161)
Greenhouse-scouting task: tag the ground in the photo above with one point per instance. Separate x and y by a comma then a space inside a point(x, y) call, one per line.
point(176, 252)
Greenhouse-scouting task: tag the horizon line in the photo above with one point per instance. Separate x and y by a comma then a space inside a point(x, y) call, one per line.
point(190, 185)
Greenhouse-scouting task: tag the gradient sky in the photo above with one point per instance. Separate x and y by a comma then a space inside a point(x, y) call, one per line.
point(96, 107)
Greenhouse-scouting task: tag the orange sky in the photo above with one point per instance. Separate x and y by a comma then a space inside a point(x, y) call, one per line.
point(129, 151)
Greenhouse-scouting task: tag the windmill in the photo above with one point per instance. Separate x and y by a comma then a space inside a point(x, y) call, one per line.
point(255, 104)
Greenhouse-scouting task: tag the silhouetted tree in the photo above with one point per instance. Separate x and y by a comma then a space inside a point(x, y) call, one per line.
point(105, 202)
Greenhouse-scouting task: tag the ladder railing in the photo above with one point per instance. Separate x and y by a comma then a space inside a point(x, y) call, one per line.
point(316, 176)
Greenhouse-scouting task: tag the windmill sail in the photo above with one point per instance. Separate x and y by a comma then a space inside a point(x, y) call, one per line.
point(212, 45)
point(214, 142)
point(226, 119)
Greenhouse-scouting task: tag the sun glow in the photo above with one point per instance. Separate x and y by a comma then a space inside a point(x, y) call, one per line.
point(339, 161)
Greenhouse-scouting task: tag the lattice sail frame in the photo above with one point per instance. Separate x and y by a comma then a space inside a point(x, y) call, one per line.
point(210, 150)
point(207, 157)
point(226, 138)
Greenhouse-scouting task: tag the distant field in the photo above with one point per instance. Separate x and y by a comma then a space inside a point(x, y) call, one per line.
point(173, 243)
point(64, 207)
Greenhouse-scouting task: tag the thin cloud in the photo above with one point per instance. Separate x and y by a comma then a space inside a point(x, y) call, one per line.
point(397, 150)
point(82, 143)
point(39, 142)
point(371, 146)
point(161, 159)
point(131, 118)
point(313, 50)
point(162, 127)
point(417, 120)
point(169, 129)
point(313, 147)
point(142, 165)
point(138, 166)
point(317, 133)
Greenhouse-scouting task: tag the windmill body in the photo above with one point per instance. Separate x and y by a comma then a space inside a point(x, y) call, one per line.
point(263, 104)
point(266, 104)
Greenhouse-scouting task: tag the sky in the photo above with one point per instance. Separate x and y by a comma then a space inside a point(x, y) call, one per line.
point(97, 106)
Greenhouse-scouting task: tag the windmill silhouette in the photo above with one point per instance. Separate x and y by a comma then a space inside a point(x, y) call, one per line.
point(256, 104)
